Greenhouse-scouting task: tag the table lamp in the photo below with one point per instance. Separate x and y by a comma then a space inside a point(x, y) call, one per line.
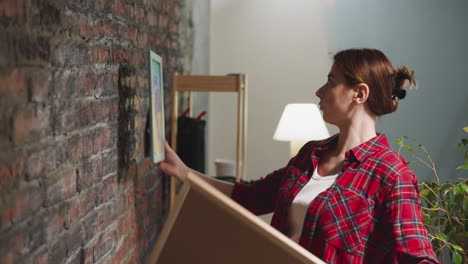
point(299, 124)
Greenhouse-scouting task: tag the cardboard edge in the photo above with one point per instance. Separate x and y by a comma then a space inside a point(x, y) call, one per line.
point(169, 224)
point(246, 216)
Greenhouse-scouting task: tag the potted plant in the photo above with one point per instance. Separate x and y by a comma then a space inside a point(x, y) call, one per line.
point(444, 204)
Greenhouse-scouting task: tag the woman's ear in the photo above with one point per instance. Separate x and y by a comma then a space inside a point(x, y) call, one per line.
point(361, 93)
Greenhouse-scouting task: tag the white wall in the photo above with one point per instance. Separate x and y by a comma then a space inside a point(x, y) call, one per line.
point(284, 60)
point(283, 47)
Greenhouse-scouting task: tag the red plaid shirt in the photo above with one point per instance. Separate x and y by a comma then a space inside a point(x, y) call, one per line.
point(371, 214)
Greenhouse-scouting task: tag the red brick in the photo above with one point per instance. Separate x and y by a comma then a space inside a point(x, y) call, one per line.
point(126, 202)
point(105, 243)
point(100, 54)
point(133, 258)
point(143, 167)
point(81, 114)
point(107, 190)
point(120, 55)
point(89, 173)
point(107, 29)
point(31, 121)
point(61, 184)
point(175, 45)
point(83, 146)
point(118, 8)
point(142, 80)
point(102, 139)
point(176, 12)
point(10, 251)
point(131, 33)
point(11, 168)
point(126, 223)
point(58, 251)
point(23, 203)
point(40, 85)
point(41, 257)
point(88, 254)
point(13, 9)
point(152, 19)
point(142, 39)
point(14, 85)
point(56, 220)
point(121, 251)
point(163, 22)
point(85, 29)
point(73, 238)
point(139, 57)
point(44, 160)
point(139, 15)
point(174, 28)
point(84, 203)
point(91, 223)
point(85, 85)
point(107, 215)
point(109, 162)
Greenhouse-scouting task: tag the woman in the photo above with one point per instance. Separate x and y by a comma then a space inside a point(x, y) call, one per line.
point(349, 198)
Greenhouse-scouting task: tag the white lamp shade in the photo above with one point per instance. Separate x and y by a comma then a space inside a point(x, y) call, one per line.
point(301, 122)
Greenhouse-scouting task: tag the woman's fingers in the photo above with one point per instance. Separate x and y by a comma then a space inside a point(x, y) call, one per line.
point(166, 168)
point(173, 165)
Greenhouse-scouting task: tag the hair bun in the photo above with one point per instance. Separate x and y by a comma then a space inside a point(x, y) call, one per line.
point(402, 75)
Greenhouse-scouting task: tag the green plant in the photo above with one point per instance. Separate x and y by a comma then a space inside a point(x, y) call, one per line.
point(445, 205)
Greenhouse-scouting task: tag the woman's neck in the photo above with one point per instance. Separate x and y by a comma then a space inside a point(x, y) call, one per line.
point(352, 135)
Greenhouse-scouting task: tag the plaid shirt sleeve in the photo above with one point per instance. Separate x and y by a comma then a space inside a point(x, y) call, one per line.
point(403, 215)
point(259, 197)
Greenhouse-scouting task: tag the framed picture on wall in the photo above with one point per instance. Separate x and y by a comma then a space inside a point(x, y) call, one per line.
point(157, 107)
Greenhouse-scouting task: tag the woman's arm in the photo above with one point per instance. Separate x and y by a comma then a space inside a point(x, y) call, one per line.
point(175, 167)
point(403, 214)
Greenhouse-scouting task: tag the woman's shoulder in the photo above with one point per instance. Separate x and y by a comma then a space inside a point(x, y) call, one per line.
point(392, 166)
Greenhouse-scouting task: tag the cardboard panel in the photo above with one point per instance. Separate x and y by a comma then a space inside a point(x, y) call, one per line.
point(208, 227)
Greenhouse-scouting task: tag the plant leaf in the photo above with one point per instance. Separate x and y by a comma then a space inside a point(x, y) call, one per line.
point(427, 220)
point(464, 167)
point(465, 129)
point(459, 146)
point(456, 257)
point(463, 187)
point(464, 141)
point(409, 149)
point(425, 192)
point(465, 203)
point(457, 247)
point(441, 236)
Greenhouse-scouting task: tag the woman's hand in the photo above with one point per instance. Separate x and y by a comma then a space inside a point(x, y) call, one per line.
point(173, 165)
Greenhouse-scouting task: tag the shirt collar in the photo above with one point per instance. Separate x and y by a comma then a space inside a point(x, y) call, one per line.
point(363, 150)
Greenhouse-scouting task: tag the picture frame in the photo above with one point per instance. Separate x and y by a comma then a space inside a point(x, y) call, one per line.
point(156, 84)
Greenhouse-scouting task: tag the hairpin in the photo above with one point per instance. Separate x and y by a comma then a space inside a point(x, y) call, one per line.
point(398, 92)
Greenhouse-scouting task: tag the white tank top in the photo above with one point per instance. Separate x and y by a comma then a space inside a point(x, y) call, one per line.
point(301, 202)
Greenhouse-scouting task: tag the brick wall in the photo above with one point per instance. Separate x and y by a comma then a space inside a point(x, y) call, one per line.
point(76, 181)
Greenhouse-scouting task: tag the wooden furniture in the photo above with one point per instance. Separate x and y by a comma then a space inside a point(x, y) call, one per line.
point(236, 83)
point(208, 227)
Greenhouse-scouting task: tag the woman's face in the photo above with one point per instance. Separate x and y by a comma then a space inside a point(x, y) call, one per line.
point(336, 98)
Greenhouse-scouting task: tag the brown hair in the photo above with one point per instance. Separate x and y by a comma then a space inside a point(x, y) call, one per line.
point(371, 66)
